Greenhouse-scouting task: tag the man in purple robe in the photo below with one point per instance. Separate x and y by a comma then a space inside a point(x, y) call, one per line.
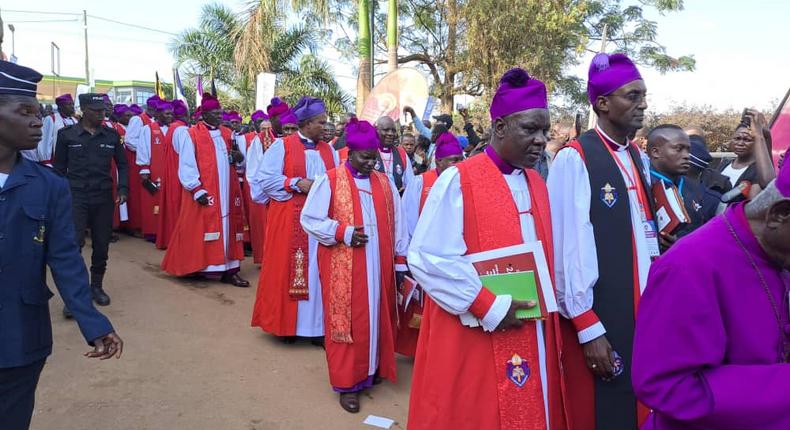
point(712, 341)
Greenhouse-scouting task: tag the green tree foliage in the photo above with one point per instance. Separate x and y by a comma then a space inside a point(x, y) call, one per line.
point(232, 48)
point(466, 45)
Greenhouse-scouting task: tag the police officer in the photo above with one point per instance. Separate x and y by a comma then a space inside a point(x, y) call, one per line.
point(83, 155)
point(36, 229)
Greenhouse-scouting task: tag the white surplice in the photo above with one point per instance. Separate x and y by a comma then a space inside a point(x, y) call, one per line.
point(437, 249)
point(316, 222)
point(51, 124)
point(189, 176)
point(143, 155)
point(133, 132)
point(267, 182)
point(253, 158)
point(575, 255)
point(411, 204)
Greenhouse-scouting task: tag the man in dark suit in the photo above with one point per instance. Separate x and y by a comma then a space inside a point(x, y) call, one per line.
point(36, 230)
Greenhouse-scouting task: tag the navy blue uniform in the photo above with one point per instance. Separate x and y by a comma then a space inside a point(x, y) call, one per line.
point(85, 159)
point(36, 230)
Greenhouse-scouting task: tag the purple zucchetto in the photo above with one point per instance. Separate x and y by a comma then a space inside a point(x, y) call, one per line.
point(136, 109)
point(308, 107)
point(288, 117)
point(234, 116)
point(106, 99)
point(151, 101)
point(447, 145)
point(120, 109)
point(65, 98)
point(518, 92)
point(180, 108)
point(209, 103)
point(163, 105)
point(361, 136)
point(783, 179)
point(608, 73)
point(259, 115)
point(277, 107)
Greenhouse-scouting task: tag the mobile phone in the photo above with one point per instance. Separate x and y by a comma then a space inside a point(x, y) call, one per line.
point(746, 120)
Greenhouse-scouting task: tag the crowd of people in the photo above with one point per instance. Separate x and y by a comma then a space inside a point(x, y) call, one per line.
point(664, 301)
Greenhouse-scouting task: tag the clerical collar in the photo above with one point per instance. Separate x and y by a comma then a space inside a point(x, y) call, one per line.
point(501, 164)
point(308, 143)
point(664, 178)
point(386, 149)
point(354, 172)
point(209, 126)
point(611, 142)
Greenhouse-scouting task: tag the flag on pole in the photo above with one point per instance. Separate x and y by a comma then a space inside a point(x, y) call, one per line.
point(178, 89)
point(199, 88)
point(158, 87)
point(213, 87)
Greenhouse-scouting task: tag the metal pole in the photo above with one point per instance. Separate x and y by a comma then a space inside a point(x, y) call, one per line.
point(87, 64)
point(593, 120)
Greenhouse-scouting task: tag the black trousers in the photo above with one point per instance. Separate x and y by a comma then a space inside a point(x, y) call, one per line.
point(18, 395)
point(94, 212)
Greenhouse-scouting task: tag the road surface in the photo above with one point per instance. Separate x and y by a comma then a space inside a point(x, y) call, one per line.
point(192, 361)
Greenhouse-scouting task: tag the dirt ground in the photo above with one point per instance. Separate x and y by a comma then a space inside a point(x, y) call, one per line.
point(192, 361)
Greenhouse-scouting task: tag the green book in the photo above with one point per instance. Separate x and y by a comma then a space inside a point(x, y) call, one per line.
point(521, 286)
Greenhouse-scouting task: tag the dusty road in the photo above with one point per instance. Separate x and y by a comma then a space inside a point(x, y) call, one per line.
point(191, 361)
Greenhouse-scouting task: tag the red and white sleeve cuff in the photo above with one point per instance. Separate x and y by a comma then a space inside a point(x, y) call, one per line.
point(145, 170)
point(340, 233)
point(588, 326)
point(401, 264)
point(198, 192)
point(482, 303)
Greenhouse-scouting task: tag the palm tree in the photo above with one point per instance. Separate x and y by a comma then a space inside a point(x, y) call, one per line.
point(234, 50)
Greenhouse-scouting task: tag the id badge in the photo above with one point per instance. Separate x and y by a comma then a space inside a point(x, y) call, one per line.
point(651, 237)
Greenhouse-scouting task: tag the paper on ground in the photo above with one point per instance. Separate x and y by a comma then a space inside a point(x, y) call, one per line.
point(379, 422)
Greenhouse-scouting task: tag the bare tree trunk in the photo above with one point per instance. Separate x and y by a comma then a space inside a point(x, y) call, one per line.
point(392, 36)
point(365, 53)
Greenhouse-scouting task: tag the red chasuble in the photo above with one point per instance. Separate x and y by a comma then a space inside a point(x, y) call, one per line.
point(135, 187)
point(150, 203)
point(343, 273)
point(283, 280)
point(461, 373)
point(409, 320)
point(170, 191)
point(198, 239)
point(255, 213)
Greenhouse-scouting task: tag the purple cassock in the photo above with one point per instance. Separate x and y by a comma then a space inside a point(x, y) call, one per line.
point(709, 343)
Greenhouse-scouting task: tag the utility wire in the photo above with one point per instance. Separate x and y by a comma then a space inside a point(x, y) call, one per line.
point(43, 20)
point(41, 12)
point(131, 25)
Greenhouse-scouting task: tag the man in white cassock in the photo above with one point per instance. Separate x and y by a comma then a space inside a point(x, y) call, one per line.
point(209, 233)
point(354, 213)
point(288, 302)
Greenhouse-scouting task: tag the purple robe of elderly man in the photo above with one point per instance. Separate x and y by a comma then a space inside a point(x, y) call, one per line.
point(710, 346)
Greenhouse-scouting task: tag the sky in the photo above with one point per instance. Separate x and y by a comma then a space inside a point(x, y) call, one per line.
point(743, 58)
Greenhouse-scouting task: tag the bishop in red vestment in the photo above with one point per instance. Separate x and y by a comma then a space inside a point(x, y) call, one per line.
point(448, 153)
point(477, 365)
point(354, 213)
point(288, 302)
point(208, 236)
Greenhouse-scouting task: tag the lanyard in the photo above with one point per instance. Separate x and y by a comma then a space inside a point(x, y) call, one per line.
point(681, 182)
point(633, 178)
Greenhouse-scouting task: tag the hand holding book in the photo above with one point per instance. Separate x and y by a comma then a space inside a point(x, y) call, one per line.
point(511, 320)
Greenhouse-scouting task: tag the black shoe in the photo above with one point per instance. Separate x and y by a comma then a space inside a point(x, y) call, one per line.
point(318, 341)
point(288, 340)
point(67, 313)
point(100, 297)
